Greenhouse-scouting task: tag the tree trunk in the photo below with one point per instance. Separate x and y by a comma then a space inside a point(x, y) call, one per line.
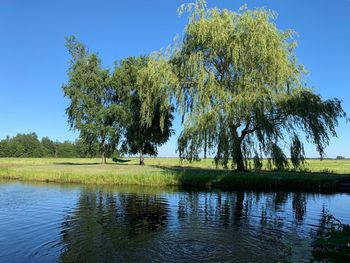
point(103, 154)
point(239, 159)
point(142, 158)
point(237, 154)
point(103, 158)
point(205, 145)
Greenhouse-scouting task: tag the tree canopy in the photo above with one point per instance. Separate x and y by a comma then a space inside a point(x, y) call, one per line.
point(141, 137)
point(232, 76)
point(108, 108)
point(94, 109)
point(29, 145)
point(240, 90)
point(21, 145)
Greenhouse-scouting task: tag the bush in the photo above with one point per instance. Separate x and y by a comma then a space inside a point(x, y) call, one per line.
point(333, 245)
point(340, 158)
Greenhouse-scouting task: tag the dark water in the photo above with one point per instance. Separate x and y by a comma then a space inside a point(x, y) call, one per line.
point(52, 223)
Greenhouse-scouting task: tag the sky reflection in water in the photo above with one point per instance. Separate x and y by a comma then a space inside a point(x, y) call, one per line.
point(44, 222)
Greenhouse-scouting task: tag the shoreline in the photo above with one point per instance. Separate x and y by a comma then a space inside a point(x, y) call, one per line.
point(185, 177)
point(169, 172)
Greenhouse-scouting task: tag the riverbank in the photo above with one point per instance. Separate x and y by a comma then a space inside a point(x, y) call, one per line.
point(169, 172)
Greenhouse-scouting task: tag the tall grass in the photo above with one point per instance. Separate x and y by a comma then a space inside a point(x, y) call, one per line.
point(169, 171)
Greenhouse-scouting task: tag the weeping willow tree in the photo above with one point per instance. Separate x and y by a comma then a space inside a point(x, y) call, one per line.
point(241, 91)
point(141, 137)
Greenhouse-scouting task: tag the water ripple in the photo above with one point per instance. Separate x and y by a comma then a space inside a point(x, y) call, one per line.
point(48, 223)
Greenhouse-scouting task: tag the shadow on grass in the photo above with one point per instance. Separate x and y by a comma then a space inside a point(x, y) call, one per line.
point(71, 163)
point(197, 177)
point(259, 180)
point(83, 164)
point(115, 162)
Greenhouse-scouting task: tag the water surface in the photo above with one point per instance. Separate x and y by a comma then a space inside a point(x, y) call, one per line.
point(62, 223)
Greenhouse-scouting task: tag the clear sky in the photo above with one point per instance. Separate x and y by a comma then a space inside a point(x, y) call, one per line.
point(33, 58)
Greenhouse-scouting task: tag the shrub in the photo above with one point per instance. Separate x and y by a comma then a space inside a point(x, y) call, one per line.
point(340, 157)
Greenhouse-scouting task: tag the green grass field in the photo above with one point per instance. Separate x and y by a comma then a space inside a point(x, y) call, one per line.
point(316, 175)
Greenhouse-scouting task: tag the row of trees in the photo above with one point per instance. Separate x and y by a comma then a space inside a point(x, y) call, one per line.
point(106, 107)
point(28, 145)
point(232, 76)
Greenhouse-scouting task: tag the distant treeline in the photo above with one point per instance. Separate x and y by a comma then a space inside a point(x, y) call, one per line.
point(28, 145)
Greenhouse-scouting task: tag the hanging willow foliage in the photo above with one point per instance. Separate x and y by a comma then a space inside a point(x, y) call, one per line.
point(235, 80)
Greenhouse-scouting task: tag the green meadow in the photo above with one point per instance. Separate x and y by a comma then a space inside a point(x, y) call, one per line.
point(316, 175)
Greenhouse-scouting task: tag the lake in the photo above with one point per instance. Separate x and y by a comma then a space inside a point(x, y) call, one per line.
point(70, 223)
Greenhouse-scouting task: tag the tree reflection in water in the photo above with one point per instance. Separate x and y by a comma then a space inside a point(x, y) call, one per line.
point(103, 224)
point(299, 206)
point(183, 226)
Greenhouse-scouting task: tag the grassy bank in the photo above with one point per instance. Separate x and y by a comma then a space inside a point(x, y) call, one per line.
point(168, 171)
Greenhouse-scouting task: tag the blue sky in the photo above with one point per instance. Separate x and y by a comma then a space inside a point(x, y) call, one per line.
point(33, 58)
